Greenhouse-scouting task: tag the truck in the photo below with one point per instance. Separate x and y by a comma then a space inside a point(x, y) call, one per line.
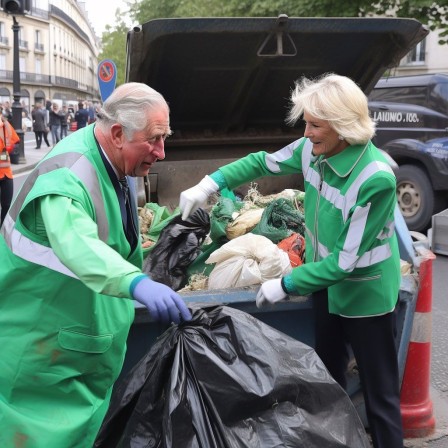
point(411, 113)
point(227, 82)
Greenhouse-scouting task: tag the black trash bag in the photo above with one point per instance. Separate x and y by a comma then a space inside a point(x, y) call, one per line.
point(177, 247)
point(227, 380)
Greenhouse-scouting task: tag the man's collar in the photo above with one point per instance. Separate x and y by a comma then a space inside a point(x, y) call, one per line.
point(106, 157)
point(344, 162)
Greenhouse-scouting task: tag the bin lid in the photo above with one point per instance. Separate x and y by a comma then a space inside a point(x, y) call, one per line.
point(230, 75)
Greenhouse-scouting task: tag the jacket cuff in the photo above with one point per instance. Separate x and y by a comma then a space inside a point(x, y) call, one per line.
point(288, 285)
point(219, 178)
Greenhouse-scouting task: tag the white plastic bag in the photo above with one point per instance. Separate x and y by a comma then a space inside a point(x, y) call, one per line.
point(247, 260)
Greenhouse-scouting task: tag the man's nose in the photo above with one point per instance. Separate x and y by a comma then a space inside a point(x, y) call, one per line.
point(159, 149)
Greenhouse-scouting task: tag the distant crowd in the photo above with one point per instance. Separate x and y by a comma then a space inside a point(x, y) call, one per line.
point(51, 118)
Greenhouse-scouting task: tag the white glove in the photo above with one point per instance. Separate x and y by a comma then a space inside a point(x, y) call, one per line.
point(270, 291)
point(195, 197)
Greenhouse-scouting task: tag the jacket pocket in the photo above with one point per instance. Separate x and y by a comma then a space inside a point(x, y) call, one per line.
point(360, 295)
point(86, 343)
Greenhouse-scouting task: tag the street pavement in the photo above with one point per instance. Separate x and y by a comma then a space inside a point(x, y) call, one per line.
point(31, 155)
point(439, 372)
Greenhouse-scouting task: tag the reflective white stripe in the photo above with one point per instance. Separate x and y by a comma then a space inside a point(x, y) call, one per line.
point(39, 254)
point(347, 201)
point(421, 328)
point(281, 155)
point(333, 195)
point(351, 195)
point(374, 256)
point(369, 258)
point(89, 176)
point(349, 254)
point(28, 250)
point(388, 231)
point(307, 155)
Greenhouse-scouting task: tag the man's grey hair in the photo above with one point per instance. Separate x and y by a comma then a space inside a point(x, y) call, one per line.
point(129, 105)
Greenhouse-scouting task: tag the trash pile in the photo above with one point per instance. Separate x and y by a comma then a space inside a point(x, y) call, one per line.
point(238, 243)
point(225, 379)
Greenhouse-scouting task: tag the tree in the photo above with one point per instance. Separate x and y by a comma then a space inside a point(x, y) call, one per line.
point(433, 14)
point(114, 45)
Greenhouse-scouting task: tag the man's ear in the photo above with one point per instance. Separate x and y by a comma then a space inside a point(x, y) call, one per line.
point(117, 134)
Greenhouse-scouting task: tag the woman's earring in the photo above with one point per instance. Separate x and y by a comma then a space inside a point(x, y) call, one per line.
point(340, 137)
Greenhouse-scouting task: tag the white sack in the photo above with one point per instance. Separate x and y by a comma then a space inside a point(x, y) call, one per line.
point(247, 260)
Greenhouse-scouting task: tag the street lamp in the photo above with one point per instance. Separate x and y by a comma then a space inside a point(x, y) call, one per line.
point(16, 7)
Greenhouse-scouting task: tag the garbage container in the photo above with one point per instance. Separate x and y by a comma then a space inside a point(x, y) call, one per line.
point(14, 154)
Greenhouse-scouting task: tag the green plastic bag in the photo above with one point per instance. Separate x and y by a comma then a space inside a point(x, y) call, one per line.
point(220, 216)
point(279, 220)
point(162, 216)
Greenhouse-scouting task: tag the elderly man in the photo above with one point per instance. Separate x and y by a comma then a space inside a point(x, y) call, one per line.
point(71, 265)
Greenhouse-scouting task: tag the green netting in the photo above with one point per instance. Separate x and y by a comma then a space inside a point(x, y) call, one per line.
point(279, 220)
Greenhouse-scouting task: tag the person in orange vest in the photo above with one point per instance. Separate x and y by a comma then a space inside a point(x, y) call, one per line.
point(8, 138)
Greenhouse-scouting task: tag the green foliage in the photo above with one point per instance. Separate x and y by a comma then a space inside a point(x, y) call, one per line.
point(434, 15)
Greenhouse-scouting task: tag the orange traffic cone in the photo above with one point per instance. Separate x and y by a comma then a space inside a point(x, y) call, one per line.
point(416, 404)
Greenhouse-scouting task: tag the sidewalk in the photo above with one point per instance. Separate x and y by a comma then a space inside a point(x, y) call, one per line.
point(32, 156)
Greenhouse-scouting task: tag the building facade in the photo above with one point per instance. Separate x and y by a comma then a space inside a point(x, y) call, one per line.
point(58, 54)
point(428, 57)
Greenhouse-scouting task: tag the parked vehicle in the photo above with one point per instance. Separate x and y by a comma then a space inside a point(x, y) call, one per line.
point(228, 83)
point(412, 126)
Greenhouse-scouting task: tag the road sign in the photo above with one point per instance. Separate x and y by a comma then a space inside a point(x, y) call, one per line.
point(107, 77)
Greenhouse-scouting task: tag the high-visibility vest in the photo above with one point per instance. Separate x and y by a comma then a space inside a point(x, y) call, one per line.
point(8, 138)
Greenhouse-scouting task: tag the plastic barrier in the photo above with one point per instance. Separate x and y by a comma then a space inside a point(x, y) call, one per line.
point(416, 404)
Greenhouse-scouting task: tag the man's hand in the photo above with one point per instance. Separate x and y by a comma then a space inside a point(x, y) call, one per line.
point(270, 291)
point(195, 197)
point(164, 304)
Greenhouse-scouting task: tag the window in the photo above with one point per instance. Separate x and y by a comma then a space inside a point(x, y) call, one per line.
point(417, 55)
point(3, 38)
point(37, 41)
point(410, 95)
point(22, 67)
point(2, 62)
point(38, 69)
point(438, 98)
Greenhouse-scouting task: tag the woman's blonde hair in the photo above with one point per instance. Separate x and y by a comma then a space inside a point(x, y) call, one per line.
point(338, 100)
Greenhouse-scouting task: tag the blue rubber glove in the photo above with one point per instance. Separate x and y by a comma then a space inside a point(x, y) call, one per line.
point(164, 304)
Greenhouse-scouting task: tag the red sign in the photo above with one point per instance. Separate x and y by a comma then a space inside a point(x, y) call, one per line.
point(106, 71)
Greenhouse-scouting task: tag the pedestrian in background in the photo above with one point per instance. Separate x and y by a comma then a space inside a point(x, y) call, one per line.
point(81, 116)
point(352, 260)
point(7, 112)
point(70, 268)
point(8, 138)
point(55, 123)
point(91, 111)
point(65, 120)
point(40, 125)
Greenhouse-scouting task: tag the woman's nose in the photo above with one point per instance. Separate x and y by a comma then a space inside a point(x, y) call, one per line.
point(307, 132)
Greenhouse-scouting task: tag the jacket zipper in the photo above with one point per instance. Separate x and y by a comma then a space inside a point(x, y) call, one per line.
point(316, 213)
